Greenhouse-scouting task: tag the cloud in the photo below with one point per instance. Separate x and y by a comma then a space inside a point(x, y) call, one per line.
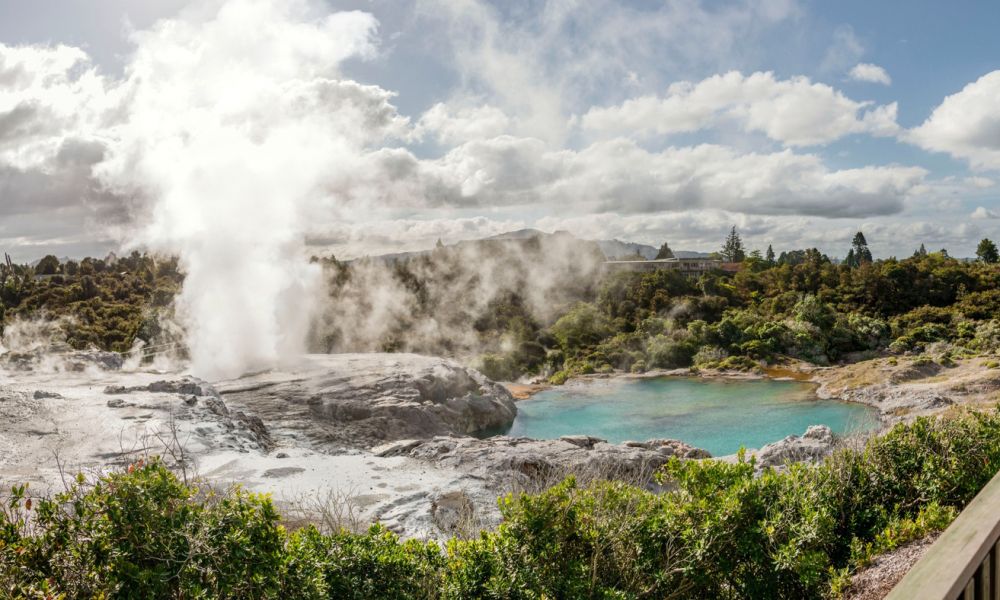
point(48, 95)
point(966, 124)
point(543, 62)
point(980, 182)
point(982, 212)
point(796, 112)
point(454, 125)
point(870, 73)
point(52, 101)
point(620, 175)
point(844, 50)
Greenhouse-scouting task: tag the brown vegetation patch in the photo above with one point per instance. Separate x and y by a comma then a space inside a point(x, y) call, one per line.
point(875, 581)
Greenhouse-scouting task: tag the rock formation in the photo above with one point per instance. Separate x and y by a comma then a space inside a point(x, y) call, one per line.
point(522, 463)
point(361, 400)
point(814, 445)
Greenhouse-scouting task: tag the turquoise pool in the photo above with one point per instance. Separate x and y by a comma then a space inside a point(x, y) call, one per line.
point(717, 415)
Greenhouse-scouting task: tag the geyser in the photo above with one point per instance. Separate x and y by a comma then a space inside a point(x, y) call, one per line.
point(233, 119)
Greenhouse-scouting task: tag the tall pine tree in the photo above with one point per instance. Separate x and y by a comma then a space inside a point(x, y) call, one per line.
point(770, 255)
point(733, 250)
point(862, 254)
point(851, 260)
point(665, 252)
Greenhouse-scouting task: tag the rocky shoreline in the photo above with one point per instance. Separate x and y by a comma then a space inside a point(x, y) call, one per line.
point(901, 388)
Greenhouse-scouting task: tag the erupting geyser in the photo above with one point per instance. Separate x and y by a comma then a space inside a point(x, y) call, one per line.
point(231, 123)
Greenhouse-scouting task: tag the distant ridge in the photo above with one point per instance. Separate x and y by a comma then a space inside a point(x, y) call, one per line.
point(611, 248)
point(619, 249)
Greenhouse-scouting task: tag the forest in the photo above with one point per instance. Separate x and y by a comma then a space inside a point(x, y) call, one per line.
point(545, 307)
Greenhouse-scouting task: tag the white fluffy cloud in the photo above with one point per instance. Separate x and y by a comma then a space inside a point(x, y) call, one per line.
point(454, 125)
point(870, 73)
point(796, 111)
point(541, 61)
point(982, 212)
point(622, 176)
point(966, 124)
point(48, 95)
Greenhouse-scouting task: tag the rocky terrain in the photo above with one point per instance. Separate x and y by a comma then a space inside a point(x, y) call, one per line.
point(360, 400)
point(904, 388)
point(386, 437)
point(363, 437)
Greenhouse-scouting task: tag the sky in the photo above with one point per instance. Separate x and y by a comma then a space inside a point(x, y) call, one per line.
point(374, 126)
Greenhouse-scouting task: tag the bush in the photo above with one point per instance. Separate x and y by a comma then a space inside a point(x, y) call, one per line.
point(723, 532)
point(559, 377)
point(581, 327)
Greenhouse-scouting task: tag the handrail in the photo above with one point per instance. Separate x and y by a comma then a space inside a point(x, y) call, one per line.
point(965, 561)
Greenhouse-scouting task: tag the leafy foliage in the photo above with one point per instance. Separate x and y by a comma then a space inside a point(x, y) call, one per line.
point(809, 309)
point(723, 532)
point(986, 251)
point(105, 304)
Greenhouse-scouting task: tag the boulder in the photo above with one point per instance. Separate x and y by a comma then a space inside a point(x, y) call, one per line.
point(815, 444)
point(364, 400)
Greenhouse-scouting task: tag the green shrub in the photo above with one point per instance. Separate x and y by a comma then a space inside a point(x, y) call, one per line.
point(724, 531)
point(582, 326)
point(738, 363)
point(559, 377)
point(931, 518)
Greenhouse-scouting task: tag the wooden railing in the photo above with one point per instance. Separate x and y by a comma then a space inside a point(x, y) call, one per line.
point(965, 561)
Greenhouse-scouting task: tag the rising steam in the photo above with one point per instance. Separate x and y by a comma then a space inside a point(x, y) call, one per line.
point(234, 118)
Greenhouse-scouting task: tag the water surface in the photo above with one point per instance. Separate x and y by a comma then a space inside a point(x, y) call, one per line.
point(717, 415)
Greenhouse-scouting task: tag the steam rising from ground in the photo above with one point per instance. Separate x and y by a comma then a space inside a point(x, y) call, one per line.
point(234, 119)
point(454, 300)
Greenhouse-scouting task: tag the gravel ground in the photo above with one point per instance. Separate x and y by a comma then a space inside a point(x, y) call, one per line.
point(877, 580)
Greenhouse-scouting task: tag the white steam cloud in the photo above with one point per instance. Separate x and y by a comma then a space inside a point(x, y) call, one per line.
point(234, 120)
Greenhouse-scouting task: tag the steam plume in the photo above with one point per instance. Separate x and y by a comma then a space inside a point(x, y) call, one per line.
point(234, 116)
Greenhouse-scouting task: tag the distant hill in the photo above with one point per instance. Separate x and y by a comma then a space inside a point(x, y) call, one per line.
point(612, 249)
point(618, 249)
point(521, 234)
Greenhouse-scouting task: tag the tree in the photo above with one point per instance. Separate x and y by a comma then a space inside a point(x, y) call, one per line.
point(921, 252)
point(48, 266)
point(665, 252)
point(851, 260)
point(770, 255)
point(986, 252)
point(733, 250)
point(862, 254)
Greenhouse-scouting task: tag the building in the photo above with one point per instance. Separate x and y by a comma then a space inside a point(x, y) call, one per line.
point(691, 267)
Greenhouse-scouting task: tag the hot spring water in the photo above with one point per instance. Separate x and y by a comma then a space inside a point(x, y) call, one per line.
point(717, 415)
